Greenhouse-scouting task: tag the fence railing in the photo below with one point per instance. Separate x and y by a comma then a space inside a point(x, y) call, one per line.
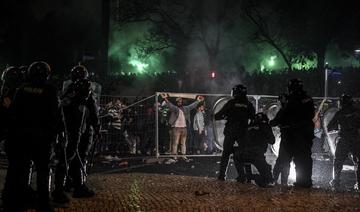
point(139, 125)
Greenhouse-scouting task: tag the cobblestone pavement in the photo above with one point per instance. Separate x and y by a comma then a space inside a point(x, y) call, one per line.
point(154, 192)
point(141, 188)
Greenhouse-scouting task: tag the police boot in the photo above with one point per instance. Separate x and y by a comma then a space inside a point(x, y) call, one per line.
point(30, 194)
point(43, 186)
point(276, 175)
point(335, 183)
point(248, 173)
point(357, 173)
point(69, 184)
point(221, 177)
point(267, 180)
point(59, 195)
point(45, 208)
point(81, 190)
point(284, 176)
point(223, 169)
point(284, 181)
point(30, 197)
point(10, 202)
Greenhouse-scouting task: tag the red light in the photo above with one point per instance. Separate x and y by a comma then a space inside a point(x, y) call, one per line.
point(213, 74)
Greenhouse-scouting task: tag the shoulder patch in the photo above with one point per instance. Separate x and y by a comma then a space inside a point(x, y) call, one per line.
point(33, 90)
point(240, 105)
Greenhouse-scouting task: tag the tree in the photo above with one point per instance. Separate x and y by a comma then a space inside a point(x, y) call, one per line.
point(214, 21)
point(267, 28)
point(177, 24)
point(313, 25)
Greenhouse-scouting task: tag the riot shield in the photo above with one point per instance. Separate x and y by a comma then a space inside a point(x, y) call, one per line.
point(219, 125)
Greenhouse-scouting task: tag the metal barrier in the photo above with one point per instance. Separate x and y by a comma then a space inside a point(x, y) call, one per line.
point(139, 125)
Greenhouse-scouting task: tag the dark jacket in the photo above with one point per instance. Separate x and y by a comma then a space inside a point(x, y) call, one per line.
point(36, 110)
point(237, 113)
point(349, 120)
point(259, 136)
point(298, 115)
point(80, 111)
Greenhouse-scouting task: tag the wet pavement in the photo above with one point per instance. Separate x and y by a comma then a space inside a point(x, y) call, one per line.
point(155, 192)
point(149, 184)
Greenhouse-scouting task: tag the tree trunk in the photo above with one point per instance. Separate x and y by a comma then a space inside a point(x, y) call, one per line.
point(320, 54)
point(105, 38)
point(282, 53)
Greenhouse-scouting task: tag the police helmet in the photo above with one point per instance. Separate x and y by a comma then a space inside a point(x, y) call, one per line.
point(345, 100)
point(295, 85)
point(239, 90)
point(38, 72)
point(11, 74)
point(79, 72)
point(261, 118)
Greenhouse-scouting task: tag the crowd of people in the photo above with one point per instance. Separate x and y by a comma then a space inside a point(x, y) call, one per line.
point(247, 136)
point(129, 128)
point(345, 79)
point(38, 122)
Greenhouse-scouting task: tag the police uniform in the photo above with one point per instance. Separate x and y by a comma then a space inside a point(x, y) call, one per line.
point(237, 111)
point(11, 78)
point(282, 164)
point(36, 117)
point(298, 117)
point(252, 151)
point(348, 117)
point(81, 121)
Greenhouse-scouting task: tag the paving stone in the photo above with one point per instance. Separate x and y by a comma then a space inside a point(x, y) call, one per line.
point(155, 192)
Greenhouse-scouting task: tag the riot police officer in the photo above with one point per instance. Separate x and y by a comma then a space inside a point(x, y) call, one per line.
point(237, 112)
point(11, 79)
point(253, 149)
point(299, 112)
point(36, 117)
point(81, 121)
point(348, 117)
point(282, 165)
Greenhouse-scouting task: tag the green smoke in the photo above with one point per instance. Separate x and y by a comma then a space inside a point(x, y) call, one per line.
point(124, 52)
point(304, 64)
point(140, 66)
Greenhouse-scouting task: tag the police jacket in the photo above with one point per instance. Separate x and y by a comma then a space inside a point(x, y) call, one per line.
point(35, 110)
point(80, 111)
point(259, 136)
point(349, 120)
point(237, 112)
point(298, 115)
